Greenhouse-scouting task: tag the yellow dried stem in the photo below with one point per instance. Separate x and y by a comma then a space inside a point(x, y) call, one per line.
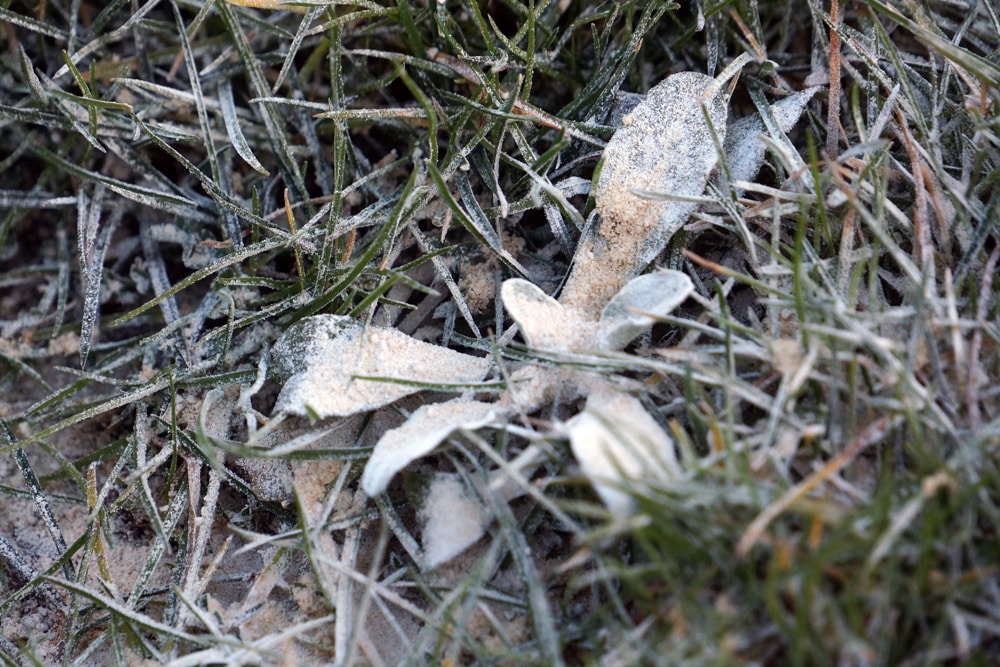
point(298, 253)
point(100, 548)
point(268, 4)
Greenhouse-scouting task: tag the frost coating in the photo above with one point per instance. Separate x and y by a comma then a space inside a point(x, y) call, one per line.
point(664, 145)
point(325, 354)
point(426, 428)
point(451, 520)
point(616, 441)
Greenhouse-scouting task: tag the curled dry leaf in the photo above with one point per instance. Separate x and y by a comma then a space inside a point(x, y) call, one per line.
point(326, 358)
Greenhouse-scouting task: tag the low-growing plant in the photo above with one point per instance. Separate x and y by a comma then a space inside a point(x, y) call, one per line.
point(263, 269)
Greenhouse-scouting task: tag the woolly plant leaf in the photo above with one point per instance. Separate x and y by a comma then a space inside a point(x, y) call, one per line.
point(666, 145)
point(629, 313)
point(426, 428)
point(744, 149)
point(452, 519)
point(336, 367)
point(544, 323)
point(616, 442)
point(453, 516)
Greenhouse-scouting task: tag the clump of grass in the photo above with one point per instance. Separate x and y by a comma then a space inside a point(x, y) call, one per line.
point(180, 183)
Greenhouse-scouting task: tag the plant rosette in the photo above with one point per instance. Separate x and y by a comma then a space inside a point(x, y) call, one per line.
point(651, 179)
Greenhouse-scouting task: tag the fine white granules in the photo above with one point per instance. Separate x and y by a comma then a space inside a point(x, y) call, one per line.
point(327, 357)
point(665, 145)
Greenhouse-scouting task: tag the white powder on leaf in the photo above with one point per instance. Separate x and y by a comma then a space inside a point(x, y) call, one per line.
point(326, 354)
point(664, 145)
point(451, 519)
